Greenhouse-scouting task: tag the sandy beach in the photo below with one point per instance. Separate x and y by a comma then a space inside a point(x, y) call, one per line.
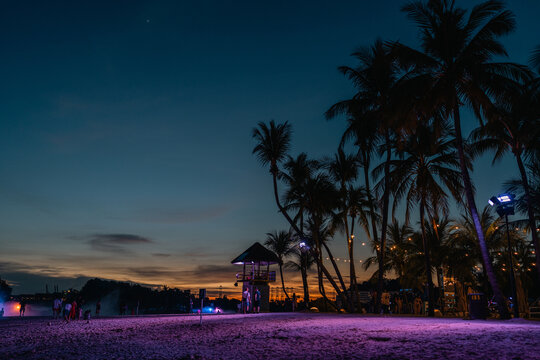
point(269, 336)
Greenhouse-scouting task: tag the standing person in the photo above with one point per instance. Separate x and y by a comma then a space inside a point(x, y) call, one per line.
point(22, 307)
point(98, 308)
point(293, 302)
point(57, 308)
point(246, 299)
point(257, 301)
point(190, 304)
point(399, 304)
point(67, 310)
point(73, 311)
point(417, 305)
point(385, 303)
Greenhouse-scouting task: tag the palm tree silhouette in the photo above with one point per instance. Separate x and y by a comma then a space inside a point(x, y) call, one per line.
point(427, 163)
point(515, 128)
point(302, 261)
point(455, 68)
point(273, 143)
point(343, 169)
point(280, 243)
point(375, 79)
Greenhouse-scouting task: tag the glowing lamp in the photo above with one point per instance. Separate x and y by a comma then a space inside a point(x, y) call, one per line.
point(504, 204)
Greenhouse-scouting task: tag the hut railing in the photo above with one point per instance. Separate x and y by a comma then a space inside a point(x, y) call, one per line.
point(257, 276)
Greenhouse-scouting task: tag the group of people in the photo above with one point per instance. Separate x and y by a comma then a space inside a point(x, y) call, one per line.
point(402, 303)
point(71, 310)
point(246, 301)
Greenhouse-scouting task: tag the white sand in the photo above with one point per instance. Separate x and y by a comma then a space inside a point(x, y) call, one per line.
point(269, 336)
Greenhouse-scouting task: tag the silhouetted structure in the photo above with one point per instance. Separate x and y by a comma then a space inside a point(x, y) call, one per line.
point(256, 261)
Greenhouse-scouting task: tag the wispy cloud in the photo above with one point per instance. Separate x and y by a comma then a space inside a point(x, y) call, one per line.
point(200, 274)
point(115, 242)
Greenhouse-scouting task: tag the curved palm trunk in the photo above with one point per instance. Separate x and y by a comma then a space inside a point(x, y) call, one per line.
point(322, 291)
point(532, 222)
point(431, 311)
point(386, 199)
point(499, 297)
point(303, 271)
point(282, 280)
point(295, 227)
point(338, 273)
point(352, 273)
point(440, 283)
point(370, 197)
point(354, 283)
point(321, 269)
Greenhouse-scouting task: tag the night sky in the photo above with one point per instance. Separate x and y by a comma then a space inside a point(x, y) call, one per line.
point(125, 128)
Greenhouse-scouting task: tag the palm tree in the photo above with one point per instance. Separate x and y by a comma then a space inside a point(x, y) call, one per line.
point(455, 67)
point(306, 186)
point(297, 171)
point(515, 128)
point(273, 143)
point(399, 248)
point(438, 232)
point(302, 261)
point(463, 246)
point(343, 169)
point(375, 78)
point(281, 244)
point(426, 164)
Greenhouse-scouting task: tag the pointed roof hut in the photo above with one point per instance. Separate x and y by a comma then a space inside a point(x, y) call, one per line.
point(256, 274)
point(256, 253)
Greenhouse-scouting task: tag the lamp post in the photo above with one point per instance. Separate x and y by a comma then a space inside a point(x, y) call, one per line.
point(505, 206)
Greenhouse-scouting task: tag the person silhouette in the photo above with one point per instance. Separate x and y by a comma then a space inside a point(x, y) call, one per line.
point(257, 301)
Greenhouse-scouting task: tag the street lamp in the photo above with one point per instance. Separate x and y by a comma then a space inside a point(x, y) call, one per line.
point(505, 206)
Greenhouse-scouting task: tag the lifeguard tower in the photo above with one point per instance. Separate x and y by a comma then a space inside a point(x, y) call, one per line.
point(256, 261)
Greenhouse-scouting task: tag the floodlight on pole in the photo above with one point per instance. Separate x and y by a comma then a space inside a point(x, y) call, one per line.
point(505, 206)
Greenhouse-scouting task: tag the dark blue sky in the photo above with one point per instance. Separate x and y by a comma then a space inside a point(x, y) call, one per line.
point(125, 127)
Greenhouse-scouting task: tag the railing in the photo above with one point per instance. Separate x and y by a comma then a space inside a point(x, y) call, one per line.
point(258, 276)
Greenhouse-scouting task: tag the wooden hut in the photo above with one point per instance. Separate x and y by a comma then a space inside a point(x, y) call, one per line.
point(256, 261)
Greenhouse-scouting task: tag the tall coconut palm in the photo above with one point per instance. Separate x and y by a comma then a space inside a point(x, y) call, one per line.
point(306, 187)
point(273, 143)
point(399, 247)
point(515, 128)
point(375, 79)
point(427, 163)
point(455, 67)
point(463, 246)
point(297, 172)
point(343, 170)
point(302, 261)
point(280, 243)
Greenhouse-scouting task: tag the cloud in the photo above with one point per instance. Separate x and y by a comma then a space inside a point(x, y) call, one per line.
point(161, 255)
point(115, 242)
point(198, 275)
